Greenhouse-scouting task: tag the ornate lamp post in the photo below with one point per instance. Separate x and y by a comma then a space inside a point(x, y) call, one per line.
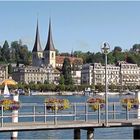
point(105, 50)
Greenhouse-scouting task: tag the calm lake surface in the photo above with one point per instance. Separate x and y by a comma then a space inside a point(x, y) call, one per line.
point(102, 133)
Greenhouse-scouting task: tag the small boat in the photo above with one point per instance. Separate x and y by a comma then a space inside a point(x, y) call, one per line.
point(6, 92)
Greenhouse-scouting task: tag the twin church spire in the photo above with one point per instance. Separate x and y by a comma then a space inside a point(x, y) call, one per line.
point(46, 57)
point(37, 45)
point(49, 45)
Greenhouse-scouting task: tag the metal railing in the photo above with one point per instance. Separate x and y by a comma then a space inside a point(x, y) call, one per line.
point(76, 112)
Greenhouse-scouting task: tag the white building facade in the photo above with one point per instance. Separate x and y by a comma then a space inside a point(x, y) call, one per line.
point(121, 74)
point(34, 74)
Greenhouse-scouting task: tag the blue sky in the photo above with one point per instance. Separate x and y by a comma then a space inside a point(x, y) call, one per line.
point(76, 25)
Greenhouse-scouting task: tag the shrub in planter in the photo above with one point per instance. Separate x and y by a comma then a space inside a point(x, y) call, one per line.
point(9, 104)
point(94, 103)
point(57, 104)
point(130, 103)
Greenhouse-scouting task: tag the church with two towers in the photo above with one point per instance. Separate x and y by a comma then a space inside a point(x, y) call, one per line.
point(47, 56)
point(46, 65)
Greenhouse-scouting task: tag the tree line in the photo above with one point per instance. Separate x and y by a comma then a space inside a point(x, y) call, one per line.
point(18, 53)
point(130, 56)
point(15, 53)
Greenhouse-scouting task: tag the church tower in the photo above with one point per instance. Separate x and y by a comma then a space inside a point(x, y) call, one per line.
point(37, 53)
point(49, 51)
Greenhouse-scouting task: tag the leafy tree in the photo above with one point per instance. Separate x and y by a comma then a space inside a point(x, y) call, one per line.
point(131, 59)
point(0, 53)
point(117, 49)
point(15, 51)
point(57, 52)
point(46, 82)
point(99, 58)
point(66, 72)
point(60, 88)
point(5, 52)
point(20, 53)
point(136, 47)
point(10, 69)
point(61, 80)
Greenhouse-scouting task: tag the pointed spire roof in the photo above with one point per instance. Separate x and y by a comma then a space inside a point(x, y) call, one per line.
point(49, 45)
point(37, 44)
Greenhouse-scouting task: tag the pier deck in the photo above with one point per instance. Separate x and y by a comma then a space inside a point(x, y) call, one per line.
point(32, 126)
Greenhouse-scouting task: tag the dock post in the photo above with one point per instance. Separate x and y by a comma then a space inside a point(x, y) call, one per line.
point(15, 118)
point(90, 134)
point(137, 95)
point(77, 134)
point(136, 132)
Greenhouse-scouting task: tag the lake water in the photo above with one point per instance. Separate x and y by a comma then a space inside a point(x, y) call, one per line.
point(100, 133)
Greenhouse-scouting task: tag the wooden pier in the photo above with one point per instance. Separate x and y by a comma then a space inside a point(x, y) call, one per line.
point(34, 117)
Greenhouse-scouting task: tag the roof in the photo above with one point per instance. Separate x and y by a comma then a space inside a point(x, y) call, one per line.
point(49, 45)
point(60, 59)
point(37, 44)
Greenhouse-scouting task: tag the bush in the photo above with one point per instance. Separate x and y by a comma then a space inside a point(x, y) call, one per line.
point(57, 104)
point(9, 104)
point(94, 103)
point(130, 103)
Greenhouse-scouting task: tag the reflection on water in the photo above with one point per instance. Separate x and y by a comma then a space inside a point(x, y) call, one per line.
point(102, 133)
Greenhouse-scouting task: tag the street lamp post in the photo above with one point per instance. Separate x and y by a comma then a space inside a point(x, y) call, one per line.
point(105, 50)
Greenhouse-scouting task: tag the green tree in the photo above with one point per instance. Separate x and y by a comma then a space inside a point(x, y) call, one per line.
point(136, 47)
point(117, 49)
point(61, 80)
point(20, 53)
point(66, 72)
point(10, 69)
point(5, 52)
point(0, 53)
point(15, 51)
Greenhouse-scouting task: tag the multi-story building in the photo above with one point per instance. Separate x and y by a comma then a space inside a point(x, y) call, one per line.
point(34, 74)
point(95, 74)
point(87, 74)
point(76, 76)
point(3, 72)
point(129, 74)
point(121, 74)
point(113, 74)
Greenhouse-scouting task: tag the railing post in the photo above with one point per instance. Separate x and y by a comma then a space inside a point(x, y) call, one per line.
point(34, 110)
point(15, 117)
point(45, 112)
point(99, 114)
point(86, 112)
point(74, 111)
point(127, 112)
point(136, 130)
point(55, 114)
point(114, 111)
point(2, 116)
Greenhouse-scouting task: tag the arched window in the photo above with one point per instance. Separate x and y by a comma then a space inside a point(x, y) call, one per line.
point(52, 55)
